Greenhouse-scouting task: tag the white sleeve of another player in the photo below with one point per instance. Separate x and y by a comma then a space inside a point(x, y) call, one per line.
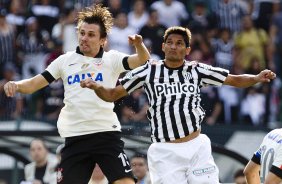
point(116, 59)
point(54, 68)
point(278, 157)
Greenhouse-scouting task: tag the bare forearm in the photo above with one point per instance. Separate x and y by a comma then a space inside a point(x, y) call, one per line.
point(142, 53)
point(105, 94)
point(241, 81)
point(253, 179)
point(28, 86)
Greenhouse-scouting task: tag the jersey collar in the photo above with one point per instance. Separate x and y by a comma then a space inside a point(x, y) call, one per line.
point(99, 55)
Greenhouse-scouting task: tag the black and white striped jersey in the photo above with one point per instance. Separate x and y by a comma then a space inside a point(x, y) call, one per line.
point(174, 95)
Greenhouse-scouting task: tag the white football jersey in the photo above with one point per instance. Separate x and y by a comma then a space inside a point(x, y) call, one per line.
point(269, 154)
point(84, 112)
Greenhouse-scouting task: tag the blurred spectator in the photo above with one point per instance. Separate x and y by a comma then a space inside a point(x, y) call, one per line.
point(7, 40)
point(3, 181)
point(134, 108)
point(253, 106)
point(16, 15)
point(33, 45)
point(171, 12)
point(148, 43)
point(201, 49)
point(140, 169)
point(42, 169)
point(250, 42)
point(98, 176)
point(254, 67)
point(46, 13)
point(230, 13)
point(239, 177)
point(211, 103)
point(263, 11)
point(223, 48)
point(201, 20)
point(154, 31)
point(65, 30)
point(115, 7)
point(9, 107)
point(138, 17)
point(231, 100)
point(51, 97)
point(118, 37)
point(276, 40)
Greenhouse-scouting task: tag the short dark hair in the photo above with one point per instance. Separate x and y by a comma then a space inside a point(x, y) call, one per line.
point(97, 15)
point(40, 140)
point(184, 32)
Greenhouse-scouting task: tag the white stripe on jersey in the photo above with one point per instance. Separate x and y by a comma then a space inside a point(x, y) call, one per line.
point(173, 94)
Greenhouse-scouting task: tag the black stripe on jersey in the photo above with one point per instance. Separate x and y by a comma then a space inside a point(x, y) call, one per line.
point(171, 110)
point(151, 81)
point(277, 171)
point(209, 77)
point(134, 72)
point(182, 115)
point(192, 116)
point(172, 117)
point(163, 99)
point(135, 83)
point(48, 76)
point(181, 104)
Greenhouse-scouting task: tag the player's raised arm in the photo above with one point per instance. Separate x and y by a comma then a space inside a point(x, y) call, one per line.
point(106, 94)
point(26, 86)
point(142, 53)
point(247, 80)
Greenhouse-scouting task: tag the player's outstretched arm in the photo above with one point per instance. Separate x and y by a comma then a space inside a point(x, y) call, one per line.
point(247, 80)
point(106, 94)
point(251, 172)
point(142, 52)
point(26, 86)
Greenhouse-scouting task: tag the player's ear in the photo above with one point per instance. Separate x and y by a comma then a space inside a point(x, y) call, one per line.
point(188, 49)
point(163, 45)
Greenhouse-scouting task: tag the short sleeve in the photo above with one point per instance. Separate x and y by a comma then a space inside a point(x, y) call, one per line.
point(135, 79)
point(117, 61)
point(54, 68)
point(210, 75)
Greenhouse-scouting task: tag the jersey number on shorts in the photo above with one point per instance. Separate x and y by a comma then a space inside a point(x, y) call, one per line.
point(124, 159)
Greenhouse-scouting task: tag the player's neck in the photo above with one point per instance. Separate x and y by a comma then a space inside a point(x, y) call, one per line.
point(91, 54)
point(173, 64)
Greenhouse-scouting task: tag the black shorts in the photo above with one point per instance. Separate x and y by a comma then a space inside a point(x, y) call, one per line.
point(81, 153)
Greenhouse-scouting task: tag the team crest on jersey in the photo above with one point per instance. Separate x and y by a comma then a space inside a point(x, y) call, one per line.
point(59, 175)
point(129, 75)
point(187, 76)
point(98, 62)
point(84, 66)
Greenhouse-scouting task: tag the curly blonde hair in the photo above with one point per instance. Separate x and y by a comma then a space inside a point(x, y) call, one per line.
point(96, 14)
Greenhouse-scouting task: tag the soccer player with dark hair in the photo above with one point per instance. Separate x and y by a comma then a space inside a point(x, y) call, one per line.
point(89, 124)
point(179, 153)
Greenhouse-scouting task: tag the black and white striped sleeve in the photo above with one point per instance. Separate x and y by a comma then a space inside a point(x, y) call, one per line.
point(210, 75)
point(135, 79)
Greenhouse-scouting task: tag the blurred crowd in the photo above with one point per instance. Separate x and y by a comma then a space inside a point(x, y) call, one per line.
point(243, 36)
